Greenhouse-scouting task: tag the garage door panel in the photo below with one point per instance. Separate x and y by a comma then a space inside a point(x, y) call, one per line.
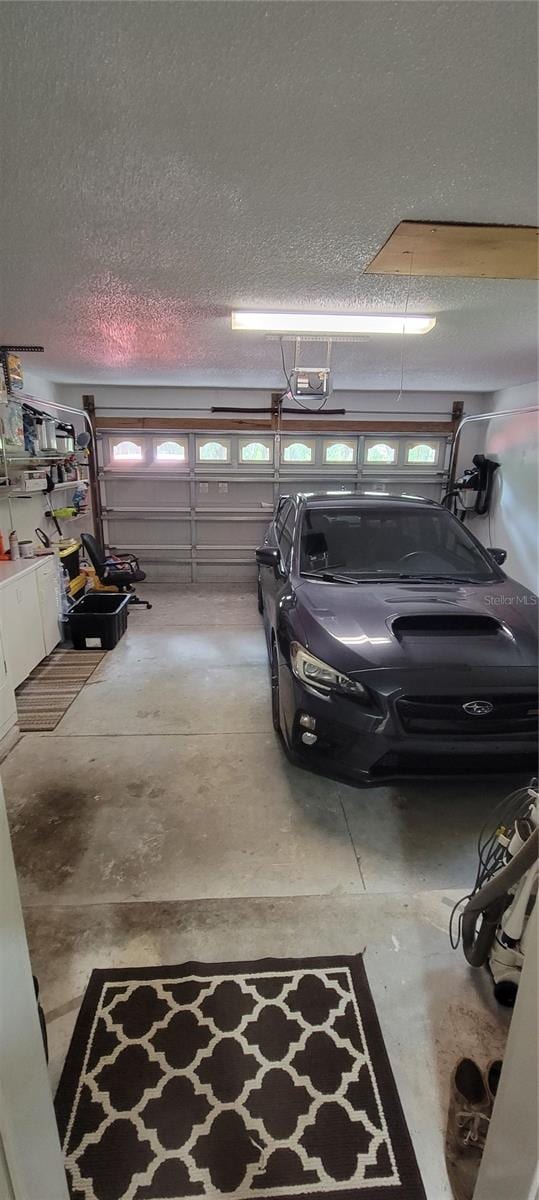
point(128, 532)
point(226, 553)
point(142, 492)
point(228, 573)
point(229, 493)
point(314, 483)
point(168, 572)
point(391, 487)
point(219, 512)
point(173, 566)
point(230, 533)
point(408, 487)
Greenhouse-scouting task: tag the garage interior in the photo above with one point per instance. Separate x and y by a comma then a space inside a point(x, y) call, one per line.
point(167, 165)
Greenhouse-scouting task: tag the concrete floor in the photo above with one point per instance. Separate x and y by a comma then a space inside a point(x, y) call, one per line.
point(161, 821)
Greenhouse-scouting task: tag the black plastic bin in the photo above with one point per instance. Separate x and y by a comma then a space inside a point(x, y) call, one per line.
point(100, 615)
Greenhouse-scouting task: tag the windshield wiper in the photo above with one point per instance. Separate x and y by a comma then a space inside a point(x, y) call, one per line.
point(389, 577)
point(328, 577)
point(442, 578)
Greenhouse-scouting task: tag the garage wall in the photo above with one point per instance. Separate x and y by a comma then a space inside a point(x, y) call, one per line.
point(168, 401)
point(512, 522)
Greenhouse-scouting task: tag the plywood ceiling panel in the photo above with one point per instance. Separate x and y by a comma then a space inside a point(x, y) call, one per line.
point(459, 251)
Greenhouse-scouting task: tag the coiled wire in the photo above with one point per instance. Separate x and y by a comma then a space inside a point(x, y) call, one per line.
point(490, 851)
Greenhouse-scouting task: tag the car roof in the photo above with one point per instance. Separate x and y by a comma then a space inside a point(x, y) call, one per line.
point(363, 500)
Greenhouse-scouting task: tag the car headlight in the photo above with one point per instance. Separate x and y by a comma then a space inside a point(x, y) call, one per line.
point(309, 669)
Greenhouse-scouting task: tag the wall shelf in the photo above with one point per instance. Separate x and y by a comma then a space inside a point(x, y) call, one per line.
point(34, 460)
point(68, 483)
point(20, 494)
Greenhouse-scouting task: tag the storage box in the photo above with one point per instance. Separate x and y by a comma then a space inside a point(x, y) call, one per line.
point(100, 615)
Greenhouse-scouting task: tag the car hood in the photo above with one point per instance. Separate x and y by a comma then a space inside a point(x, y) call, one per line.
point(406, 625)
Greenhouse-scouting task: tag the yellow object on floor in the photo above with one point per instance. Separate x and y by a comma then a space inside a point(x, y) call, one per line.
point(94, 582)
point(76, 585)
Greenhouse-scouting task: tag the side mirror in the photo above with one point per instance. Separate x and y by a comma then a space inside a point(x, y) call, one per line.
point(268, 556)
point(498, 555)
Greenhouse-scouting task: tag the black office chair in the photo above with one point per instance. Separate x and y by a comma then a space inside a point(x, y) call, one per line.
point(121, 573)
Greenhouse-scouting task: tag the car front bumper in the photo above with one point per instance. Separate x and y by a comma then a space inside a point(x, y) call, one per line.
point(370, 744)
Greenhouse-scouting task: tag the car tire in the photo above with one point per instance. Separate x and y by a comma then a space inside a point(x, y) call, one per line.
point(275, 701)
point(260, 598)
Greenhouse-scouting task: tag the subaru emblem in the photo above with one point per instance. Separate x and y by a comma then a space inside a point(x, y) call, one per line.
point(478, 708)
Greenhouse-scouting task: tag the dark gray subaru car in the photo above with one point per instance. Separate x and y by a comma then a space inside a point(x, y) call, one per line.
point(398, 646)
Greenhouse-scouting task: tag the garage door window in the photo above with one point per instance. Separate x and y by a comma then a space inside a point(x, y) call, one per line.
point(380, 453)
point(419, 454)
point(339, 452)
point(210, 450)
point(126, 451)
point(259, 451)
point(170, 452)
point(298, 452)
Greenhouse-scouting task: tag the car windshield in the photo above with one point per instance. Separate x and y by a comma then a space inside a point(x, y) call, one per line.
point(390, 542)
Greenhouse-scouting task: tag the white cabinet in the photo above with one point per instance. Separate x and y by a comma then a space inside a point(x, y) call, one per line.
point(8, 711)
point(22, 627)
point(47, 579)
point(29, 625)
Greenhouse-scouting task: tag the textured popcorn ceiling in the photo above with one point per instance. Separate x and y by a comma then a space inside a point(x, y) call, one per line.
point(166, 161)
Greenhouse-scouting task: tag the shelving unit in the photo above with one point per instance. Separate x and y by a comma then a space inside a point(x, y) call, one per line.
point(21, 494)
point(69, 483)
point(37, 460)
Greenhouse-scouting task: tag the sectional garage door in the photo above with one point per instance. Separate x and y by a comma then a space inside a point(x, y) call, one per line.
point(194, 505)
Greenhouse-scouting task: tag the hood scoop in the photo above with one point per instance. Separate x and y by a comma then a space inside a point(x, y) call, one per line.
point(448, 624)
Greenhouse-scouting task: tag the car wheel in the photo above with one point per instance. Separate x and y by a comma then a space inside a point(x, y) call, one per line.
point(260, 598)
point(275, 704)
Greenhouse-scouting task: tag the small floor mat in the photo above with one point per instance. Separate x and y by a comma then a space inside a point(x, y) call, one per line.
point(46, 695)
point(255, 1079)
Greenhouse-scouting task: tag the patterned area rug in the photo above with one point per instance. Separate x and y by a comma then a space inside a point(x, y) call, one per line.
point(45, 696)
point(258, 1079)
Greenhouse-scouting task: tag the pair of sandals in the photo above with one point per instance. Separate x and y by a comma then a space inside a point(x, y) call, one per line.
point(472, 1096)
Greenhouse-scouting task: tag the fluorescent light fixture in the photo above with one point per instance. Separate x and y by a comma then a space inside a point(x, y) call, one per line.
point(328, 324)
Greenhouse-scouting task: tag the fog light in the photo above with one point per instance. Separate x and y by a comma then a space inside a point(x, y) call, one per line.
point(309, 738)
point(307, 722)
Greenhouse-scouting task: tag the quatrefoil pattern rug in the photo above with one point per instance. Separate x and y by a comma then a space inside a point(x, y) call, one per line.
point(260, 1079)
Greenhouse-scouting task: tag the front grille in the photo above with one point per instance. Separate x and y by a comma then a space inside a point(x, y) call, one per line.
point(512, 714)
